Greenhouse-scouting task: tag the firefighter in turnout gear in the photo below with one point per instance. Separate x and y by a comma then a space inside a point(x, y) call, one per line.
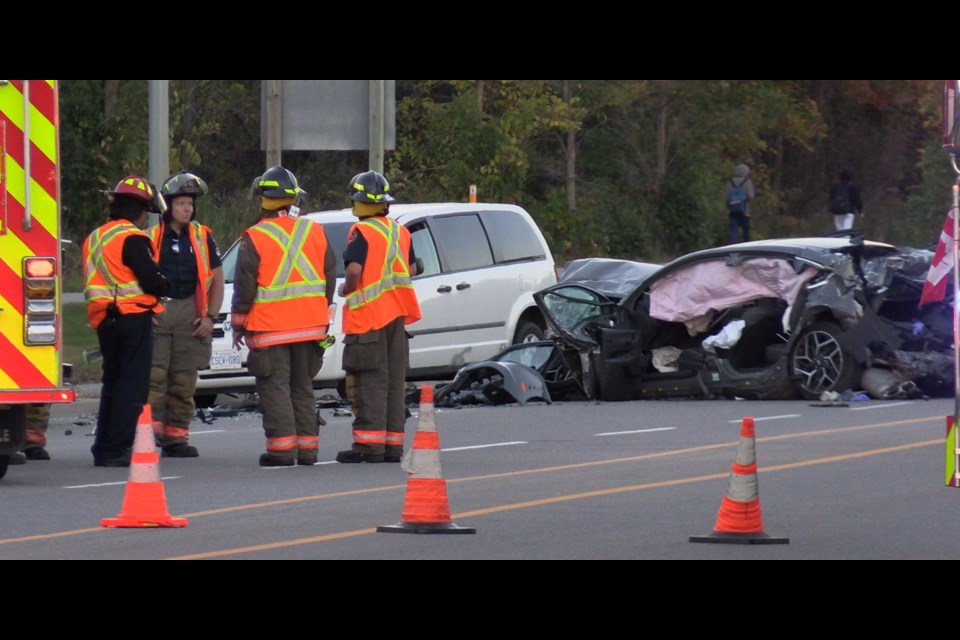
point(183, 333)
point(285, 277)
point(380, 302)
point(123, 285)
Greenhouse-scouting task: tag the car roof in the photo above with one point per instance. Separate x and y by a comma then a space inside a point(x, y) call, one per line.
point(403, 212)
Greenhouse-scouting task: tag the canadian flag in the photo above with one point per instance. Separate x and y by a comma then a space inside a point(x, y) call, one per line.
point(935, 288)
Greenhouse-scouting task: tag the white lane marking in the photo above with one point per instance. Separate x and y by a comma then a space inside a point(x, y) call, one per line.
point(880, 406)
point(485, 446)
point(111, 484)
point(788, 415)
point(621, 433)
point(198, 433)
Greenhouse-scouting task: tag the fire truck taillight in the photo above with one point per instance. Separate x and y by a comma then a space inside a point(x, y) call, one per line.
point(40, 300)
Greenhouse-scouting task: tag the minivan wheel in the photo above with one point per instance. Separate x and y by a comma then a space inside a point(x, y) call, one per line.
point(528, 331)
point(4, 463)
point(820, 363)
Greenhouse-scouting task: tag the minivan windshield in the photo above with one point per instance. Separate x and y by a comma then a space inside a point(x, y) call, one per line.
point(336, 236)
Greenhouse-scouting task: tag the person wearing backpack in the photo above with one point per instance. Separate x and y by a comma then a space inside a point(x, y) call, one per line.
point(739, 193)
point(845, 201)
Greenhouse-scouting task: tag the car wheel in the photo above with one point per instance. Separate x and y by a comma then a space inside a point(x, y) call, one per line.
point(820, 363)
point(4, 463)
point(528, 331)
point(205, 400)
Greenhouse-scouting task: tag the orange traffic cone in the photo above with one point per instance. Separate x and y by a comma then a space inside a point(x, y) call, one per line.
point(426, 508)
point(145, 504)
point(739, 520)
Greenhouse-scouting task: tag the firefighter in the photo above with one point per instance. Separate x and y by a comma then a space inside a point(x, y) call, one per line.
point(285, 276)
point(183, 333)
point(38, 419)
point(380, 302)
point(123, 285)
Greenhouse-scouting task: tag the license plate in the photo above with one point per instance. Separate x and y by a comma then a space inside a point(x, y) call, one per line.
point(225, 360)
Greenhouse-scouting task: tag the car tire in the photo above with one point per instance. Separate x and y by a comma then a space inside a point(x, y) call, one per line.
point(527, 331)
point(820, 364)
point(205, 400)
point(4, 463)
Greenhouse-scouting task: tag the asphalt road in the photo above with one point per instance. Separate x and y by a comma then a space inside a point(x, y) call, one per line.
point(575, 480)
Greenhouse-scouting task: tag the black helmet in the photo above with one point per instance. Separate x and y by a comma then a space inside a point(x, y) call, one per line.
point(277, 182)
point(183, 184)
point(370, 187)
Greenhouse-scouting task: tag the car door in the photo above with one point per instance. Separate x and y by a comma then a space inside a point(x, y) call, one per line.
point(433, 344)
point(481, 293)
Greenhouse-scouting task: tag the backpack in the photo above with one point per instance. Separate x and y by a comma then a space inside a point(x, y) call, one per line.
point(736, 198)
point(840, 199)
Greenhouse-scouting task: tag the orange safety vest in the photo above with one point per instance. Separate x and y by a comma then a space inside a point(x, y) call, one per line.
point(386, 290)
point(199, 235)
point(106, 279)
point(291, 302)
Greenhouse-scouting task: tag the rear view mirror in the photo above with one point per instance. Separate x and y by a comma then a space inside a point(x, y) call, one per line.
point(951, 116)
point(419, 263)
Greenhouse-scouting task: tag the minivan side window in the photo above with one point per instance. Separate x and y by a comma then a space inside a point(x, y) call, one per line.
point(462, 241)
point(512, 237)
point(425, 249)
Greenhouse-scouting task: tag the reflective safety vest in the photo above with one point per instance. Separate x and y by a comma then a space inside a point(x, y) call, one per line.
point(291, 302)
point(199, 235)
point(386, 290)
point(106, 279)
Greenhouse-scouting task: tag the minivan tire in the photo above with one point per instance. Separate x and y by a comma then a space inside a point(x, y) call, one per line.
point(528, 331)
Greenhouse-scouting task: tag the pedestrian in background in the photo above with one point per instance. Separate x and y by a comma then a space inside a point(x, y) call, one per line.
point(845, 201)
point(286, 276)
point(123, 285)
point(183, 333)
point(380, 302)
point(737, 195)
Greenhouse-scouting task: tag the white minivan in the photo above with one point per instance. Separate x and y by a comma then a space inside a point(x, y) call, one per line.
point(482, 264)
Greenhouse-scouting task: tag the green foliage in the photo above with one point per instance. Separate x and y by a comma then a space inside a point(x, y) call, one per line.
point(650, 156)
point(77, 338)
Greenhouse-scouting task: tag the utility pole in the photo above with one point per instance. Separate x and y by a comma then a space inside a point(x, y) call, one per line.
point(376, 125)
point(274, 92)
point(159, 135)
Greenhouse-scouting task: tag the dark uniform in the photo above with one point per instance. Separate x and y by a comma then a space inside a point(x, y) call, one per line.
point(123, 285)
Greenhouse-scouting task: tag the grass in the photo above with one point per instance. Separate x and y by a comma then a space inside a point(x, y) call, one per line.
point(77, 338)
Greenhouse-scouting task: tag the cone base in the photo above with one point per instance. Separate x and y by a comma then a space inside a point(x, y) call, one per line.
point(424, 527)
point(142, 524)
point(740, 538)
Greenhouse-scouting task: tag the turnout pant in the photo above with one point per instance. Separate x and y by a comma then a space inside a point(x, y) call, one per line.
point(376, 366)
point(284, 376)
point(38, 419)
point(177, 356)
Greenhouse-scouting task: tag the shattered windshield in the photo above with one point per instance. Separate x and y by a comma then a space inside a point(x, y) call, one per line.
point(569, 307)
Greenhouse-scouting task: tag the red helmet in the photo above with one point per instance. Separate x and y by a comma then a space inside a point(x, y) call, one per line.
point(140, 189)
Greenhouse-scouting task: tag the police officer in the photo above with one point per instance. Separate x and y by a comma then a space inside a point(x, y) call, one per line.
point(286, 273)
point(123, 286)
point(380, 301)
point(183, 333)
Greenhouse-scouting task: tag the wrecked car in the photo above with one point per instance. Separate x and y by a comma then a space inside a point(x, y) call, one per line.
point(772, 319)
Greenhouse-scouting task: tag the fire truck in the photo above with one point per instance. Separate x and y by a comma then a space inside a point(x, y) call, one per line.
point(31, 340)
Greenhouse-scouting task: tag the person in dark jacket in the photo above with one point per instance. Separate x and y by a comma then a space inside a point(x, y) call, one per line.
point(123, 286)
point(739, 213)
point(845, 202)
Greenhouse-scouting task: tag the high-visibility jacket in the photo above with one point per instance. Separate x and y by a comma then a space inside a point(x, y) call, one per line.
point(107, 280)
point(385, 291)
point(291, 302)
point(199, 238)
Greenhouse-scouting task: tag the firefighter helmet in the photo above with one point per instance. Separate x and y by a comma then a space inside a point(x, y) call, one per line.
point(370, 187)
point(183, 184)
point(277, 182)
point(139, 189)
